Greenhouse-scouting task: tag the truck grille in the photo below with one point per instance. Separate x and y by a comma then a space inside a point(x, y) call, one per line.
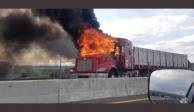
point(84, 65)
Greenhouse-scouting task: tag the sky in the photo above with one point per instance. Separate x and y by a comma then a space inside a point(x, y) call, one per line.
point(169, 30)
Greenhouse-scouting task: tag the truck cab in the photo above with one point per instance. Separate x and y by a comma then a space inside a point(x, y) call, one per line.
point(126, 53)
point(107, 64)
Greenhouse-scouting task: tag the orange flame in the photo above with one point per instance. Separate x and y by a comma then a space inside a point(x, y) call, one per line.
point(93, 42)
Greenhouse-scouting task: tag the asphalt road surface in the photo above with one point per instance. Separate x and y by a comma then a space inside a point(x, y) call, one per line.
point(143, 99)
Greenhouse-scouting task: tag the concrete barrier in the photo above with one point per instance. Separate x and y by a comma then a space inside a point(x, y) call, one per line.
point(136, 86)
point(68, 90)
point(31, 91)
point(87, 89)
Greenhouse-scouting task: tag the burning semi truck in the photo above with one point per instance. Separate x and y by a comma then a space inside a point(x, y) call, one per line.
point(101, 55)
point(104, 56)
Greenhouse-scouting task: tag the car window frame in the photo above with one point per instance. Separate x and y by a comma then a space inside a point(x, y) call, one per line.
point(149, 89)
point(192, 101)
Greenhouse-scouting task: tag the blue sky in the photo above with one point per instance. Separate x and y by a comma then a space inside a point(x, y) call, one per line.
point(169, 30)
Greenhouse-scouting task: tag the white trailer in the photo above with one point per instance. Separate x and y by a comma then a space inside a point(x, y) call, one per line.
point(162, 59)
point(155, 58)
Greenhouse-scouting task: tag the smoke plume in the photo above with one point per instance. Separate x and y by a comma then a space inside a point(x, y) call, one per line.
point(20, 31)
point(42, 33)
point(72, 20)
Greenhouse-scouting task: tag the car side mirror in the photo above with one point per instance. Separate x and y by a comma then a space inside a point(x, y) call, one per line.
point(171, 86)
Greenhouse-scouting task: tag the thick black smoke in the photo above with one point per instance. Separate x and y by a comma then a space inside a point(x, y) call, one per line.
point(72, 20)
point(21, 31)
point(51, 29)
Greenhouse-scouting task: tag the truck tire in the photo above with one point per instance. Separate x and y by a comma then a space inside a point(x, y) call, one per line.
point(113, 73)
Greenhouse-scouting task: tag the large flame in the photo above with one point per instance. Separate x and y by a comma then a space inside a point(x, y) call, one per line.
point(94, 42)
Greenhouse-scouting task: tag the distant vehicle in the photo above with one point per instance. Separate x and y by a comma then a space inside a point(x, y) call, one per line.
point(129, 61)
point(171, 86)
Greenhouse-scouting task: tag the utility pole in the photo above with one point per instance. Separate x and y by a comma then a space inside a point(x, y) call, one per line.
point(60, 66)
point(60, 59)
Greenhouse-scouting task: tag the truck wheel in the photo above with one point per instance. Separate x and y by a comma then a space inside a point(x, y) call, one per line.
point(112, 74)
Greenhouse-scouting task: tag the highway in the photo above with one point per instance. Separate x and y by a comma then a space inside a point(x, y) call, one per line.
point(143, 99)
